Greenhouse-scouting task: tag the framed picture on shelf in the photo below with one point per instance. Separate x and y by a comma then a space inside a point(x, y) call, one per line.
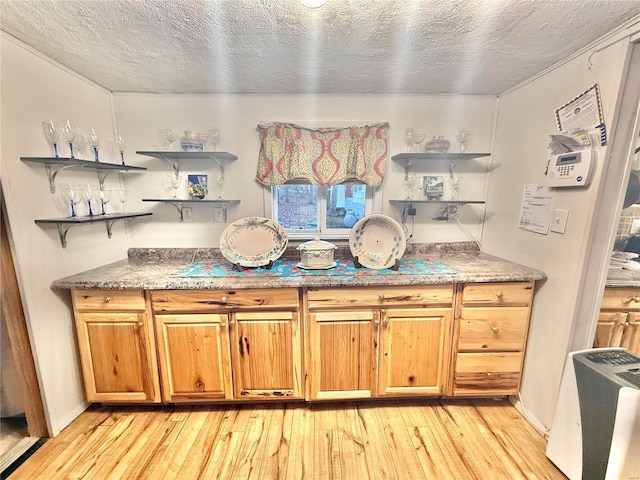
point(433, 187)
point(197, 186)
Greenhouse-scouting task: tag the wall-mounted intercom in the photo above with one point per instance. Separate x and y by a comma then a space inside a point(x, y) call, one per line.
point(572, 169)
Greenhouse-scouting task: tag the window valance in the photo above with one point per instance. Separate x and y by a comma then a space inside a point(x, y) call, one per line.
point(323, 156)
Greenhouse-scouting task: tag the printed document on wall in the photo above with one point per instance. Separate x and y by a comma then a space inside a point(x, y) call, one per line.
point(535, 209)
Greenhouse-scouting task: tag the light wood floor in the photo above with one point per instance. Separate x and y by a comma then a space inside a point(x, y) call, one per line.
point(483, 439)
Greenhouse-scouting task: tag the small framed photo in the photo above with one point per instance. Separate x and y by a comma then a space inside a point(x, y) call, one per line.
point(433, 187)
point(197, 186)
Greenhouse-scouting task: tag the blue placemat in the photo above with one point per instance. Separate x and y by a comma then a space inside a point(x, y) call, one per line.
point(290, 268)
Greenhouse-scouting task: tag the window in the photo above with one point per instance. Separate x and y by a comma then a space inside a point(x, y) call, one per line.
point(324, 211)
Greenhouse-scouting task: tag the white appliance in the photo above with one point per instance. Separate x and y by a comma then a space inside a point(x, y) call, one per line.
point(595, 433)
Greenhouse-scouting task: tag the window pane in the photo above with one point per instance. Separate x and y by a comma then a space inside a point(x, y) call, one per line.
point(345, 205)
point(296, 206)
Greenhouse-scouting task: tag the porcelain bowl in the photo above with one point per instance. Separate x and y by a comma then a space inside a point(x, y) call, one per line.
point(316, 253)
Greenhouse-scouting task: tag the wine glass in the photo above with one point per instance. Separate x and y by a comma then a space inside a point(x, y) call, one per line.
point(87, 194)
point(409, 184)
point(214, 138)
point(94, 139)
point(418, 138)
point(202, 180)
point(72, 195)
point(170, 136)
point(51, 132)
point(464, 139)
point(105, 197)
point(409, 137)
point(175, 181)
point(219, 184)
point(121, 144)
point(80, 145)
point(123, 196)
point(70, 135)
point(456, 182)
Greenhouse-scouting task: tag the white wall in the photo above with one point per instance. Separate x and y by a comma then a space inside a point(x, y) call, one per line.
point(141, 117)
point(526, 118)
point(35, 89)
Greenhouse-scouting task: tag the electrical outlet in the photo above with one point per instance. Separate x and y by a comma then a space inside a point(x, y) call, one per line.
point(187, 214)
point(411, 211)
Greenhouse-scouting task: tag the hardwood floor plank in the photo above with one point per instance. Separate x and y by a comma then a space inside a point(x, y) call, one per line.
point(300, 464)
point(379, 461)
point(252, 451)
point(276, 446)
point(353, 463)
point(400, 444)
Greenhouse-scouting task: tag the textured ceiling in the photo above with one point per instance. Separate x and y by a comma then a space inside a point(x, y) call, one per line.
point(279, 47)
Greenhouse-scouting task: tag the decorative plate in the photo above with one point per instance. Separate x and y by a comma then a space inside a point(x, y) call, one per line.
point(378, 241)
point(253, 241)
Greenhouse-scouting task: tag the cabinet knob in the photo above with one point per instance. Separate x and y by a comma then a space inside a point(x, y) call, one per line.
point(385, 319)
point(223, 299)
point(232, 322)
point(495, 329)
point(223, 324)
point(626, 324)
point(381, 296)
point(107, 299)
point(499, 295)
point(376, 321)
point(488, 374)
point(635, 299)
point(141, 324)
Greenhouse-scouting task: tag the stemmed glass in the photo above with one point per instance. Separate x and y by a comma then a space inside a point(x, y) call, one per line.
point(463, 138)
point(214, 138)
point(409, 184)
point(94, 139)
point(120, 143)
point(202, 180)
point(456, 186)
point(87, 194)
point(72, 195)
point(409, 137)
point(170, 136)
point(70, 135)
point(174, 182)
point(418, 138)
point(51, 132)
point(81, 144)
point(123, 196)
point(219, 184)
point(105, 197)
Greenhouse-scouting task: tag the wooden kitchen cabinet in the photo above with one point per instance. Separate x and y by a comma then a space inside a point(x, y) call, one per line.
point(490, 332)
point(229, 344)
point(371, 342)
point(619, 319)
point(117, 346)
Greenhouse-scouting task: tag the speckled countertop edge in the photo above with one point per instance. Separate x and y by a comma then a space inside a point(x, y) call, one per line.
point(155, 269)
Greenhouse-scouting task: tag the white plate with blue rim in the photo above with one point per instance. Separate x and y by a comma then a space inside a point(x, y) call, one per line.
point(377, 241)
point(253, 241)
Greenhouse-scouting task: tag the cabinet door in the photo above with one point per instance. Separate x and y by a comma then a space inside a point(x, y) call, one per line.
point(342, 354)
point(412, 351)
point(194, 357)
point(118, 357)
point(631, 334)
point(266, 355)
point(610, 328)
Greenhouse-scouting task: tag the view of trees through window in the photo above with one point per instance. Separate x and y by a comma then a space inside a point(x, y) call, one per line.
point(313, 208)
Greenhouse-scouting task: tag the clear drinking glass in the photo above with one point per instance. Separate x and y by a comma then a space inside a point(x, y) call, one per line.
point(409, 184)
point(170, 136)
point(73, 196)
point(219, 184)
point(87, 194)
point(51, 132)
point(214, 138)
point(121, 144)
point(409, 138)
point(105, 197)
point(69, 131)
point(94, 139)
point(123, 196)
point(175, 181)
point(418, 138)
point(464, 139)
point(202, 180)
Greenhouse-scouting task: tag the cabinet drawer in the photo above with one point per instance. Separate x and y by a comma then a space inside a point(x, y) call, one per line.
point(380, 296)
point(108, 300)
point(493, 329)
point(621, 298)
point(497, 294)
point(215, 300)
point(487, 373)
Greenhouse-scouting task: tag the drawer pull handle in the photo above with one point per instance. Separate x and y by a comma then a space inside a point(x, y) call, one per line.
point(499, 295)
point(223, 299)
point(495, 329)
point(381, 296)
point(107, 299)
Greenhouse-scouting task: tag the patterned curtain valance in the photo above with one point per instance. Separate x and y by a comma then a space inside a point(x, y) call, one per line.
point(323, 156)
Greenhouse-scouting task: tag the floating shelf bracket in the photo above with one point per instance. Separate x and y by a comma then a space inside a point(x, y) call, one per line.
point(52, 173)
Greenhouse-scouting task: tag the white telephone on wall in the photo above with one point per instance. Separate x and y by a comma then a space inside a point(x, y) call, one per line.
point(572, 169)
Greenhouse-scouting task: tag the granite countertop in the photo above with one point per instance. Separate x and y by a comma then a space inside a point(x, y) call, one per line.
point(156, 269)
point(620, 277)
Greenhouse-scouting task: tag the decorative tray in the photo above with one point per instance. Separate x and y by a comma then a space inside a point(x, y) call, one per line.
point(253, 241)
point(377, 241)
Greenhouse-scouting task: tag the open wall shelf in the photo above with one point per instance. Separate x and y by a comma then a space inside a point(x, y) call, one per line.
point(180, 203)
point(174, 157)
point(408, 158)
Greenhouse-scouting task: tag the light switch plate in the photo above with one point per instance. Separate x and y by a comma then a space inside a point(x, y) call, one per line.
point(559, 220)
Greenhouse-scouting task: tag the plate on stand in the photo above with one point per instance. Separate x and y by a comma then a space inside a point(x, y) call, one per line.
point(253, 241)
point(377, 241)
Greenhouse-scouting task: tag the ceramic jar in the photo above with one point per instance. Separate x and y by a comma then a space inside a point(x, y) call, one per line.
point(191, 142)
point(437, 145)
point(316, 254)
